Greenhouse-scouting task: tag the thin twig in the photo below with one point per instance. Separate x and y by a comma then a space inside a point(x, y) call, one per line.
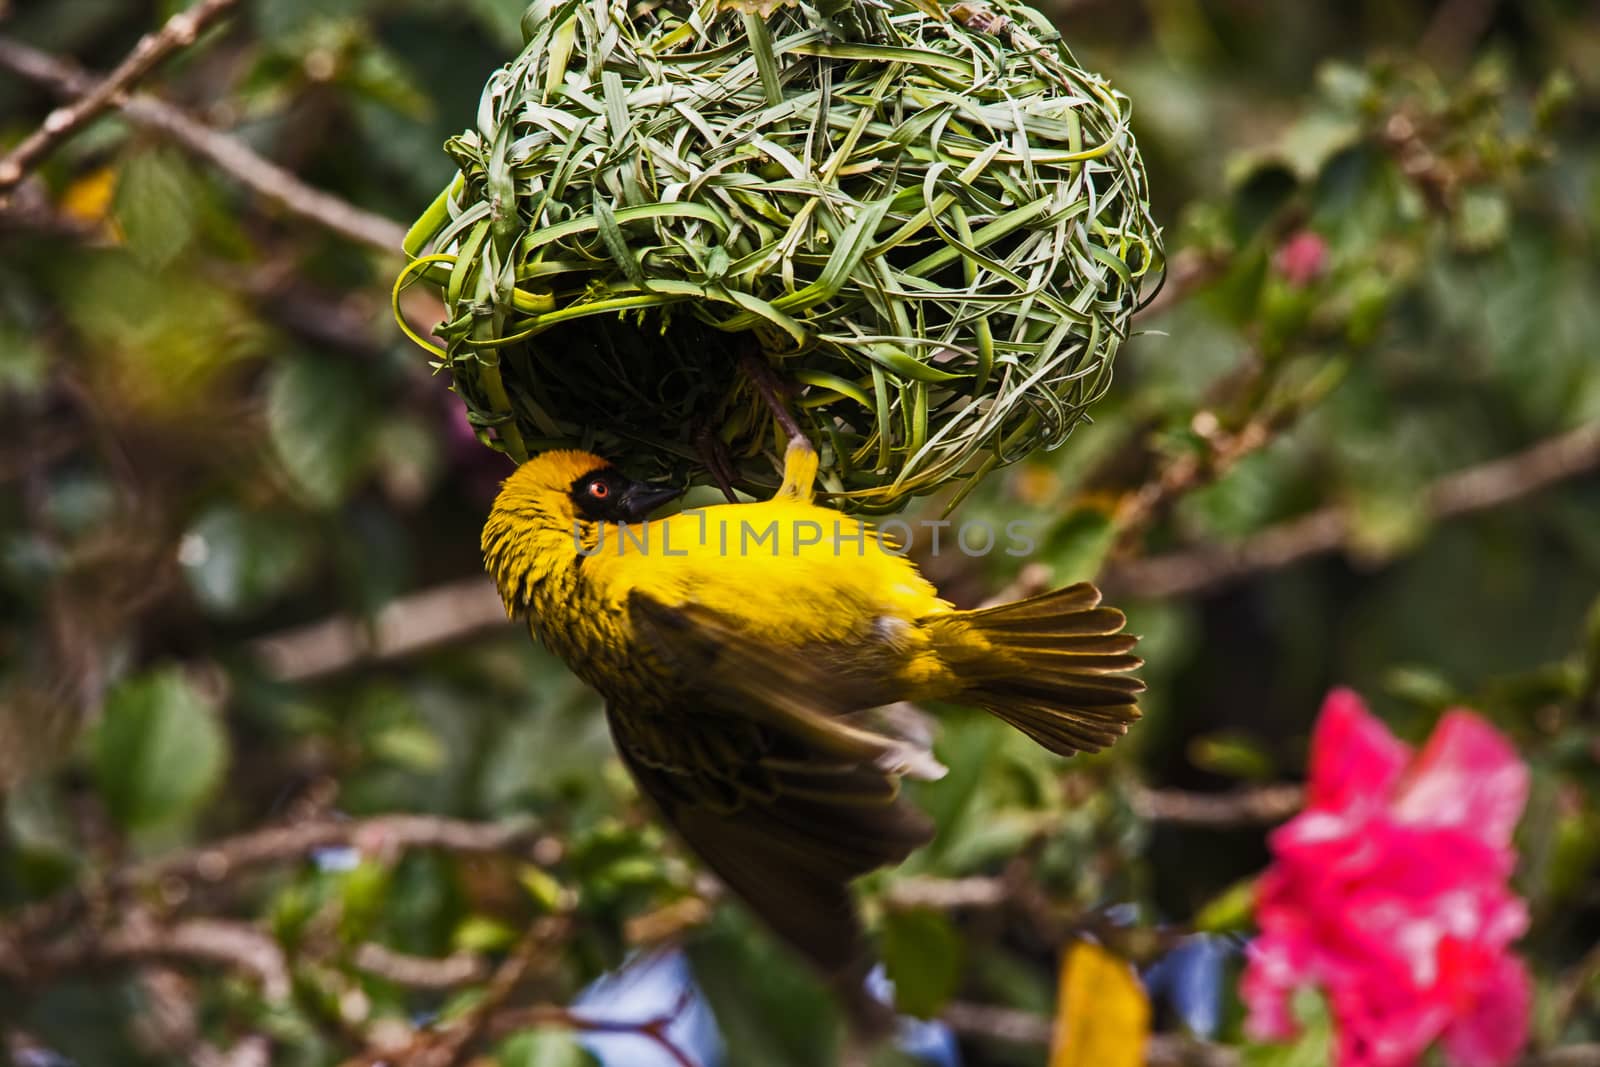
point(179, 32)
point(998, 1023)
point(420, 972)
point(1223, 449)
point(237, 945)
point(948, 894)
point(1474, 489)
point(252, 1051)
point(654, 1028)
point(405, 627)
point(230, 155)
point(1034, 578)
point(1238, 808)
point(1456, 26)
point(449, 1044)
point(220, 860)
point(771, 389)
point(714, 454)
point(28, 209)
point(1575, 988)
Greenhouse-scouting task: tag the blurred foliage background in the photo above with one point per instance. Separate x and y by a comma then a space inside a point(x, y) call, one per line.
point(243, 628)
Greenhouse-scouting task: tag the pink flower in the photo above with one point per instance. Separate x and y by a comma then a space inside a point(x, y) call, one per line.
point(1302, 258)
point(1389, 893)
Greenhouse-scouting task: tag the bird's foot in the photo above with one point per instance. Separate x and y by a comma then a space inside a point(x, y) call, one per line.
point(714, 454)
point(799, 470)
point(800, 458)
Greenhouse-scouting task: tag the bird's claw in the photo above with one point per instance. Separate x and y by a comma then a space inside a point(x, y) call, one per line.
point(799, 470)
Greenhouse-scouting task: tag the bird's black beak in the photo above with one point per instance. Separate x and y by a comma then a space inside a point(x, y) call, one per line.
point(641, 498)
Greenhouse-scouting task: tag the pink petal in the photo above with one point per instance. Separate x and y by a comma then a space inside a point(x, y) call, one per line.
point(1389, 894)
point(1355, 760)
point(1302, 257)
point(1468, 777)
point(1378, 1027)
point(1492, 1031)
point(1275, 967)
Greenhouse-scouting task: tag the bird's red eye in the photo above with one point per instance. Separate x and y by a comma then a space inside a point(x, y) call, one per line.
point(599, 490)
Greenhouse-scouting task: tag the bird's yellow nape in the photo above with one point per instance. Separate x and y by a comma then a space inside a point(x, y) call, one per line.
point(554, 471)
point(534, 505)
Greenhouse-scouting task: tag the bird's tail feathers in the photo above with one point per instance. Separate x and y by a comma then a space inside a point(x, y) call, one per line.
point(1055, 666)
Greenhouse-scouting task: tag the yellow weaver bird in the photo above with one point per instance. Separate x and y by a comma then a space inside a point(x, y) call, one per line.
point(741, 650)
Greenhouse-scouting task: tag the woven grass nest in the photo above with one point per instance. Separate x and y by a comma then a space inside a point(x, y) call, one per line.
point(932, 225)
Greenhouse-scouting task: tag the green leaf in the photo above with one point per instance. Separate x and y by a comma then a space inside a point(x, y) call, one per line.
point(1313, 1047)
point(965, 745)
point(1229, 910)
point(79, 503)
point(317, 419)
point(1079, 543)
point(239, 560)
point(24, 362)
point(1242, 500)
point(1589, 682)
point(1232, 755)
point(1574, 856)
point(1420, 685)
point(159, 751)
point(364, 898)
point(479, 933)
point(545, 889)
point(771, 1010)
point(1483, 220)
point(1386, 519)
point(409, 456)
point(409, 745)
point(543, 1048)
point(36, 819)
point(155, 205)
point(922, 955)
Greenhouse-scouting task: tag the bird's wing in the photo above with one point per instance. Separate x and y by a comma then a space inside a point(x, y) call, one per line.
point(814, 696)
point(763, 780)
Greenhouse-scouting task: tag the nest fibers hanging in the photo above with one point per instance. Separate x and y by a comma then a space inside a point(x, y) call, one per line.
point(934, 226)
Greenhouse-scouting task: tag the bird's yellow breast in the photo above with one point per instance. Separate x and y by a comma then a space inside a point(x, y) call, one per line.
point(791, 573)
point(795, 572)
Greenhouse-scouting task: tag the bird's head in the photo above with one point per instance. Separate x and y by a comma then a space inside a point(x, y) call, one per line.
point(551, 508)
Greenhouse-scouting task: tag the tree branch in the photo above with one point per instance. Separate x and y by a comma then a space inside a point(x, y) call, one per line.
point(1239, 808)
point(1177, 477)
point(420, 972)
point(404, 627)
point(230, 155)
point(1456, 25)
point(253, 1051)
point(449, 1044)
point(1236, 809)
point(654, 1028)
point(140, 939)
point(949, 894)
point(180, 31)
point(1474, 489)
point(220, 860)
